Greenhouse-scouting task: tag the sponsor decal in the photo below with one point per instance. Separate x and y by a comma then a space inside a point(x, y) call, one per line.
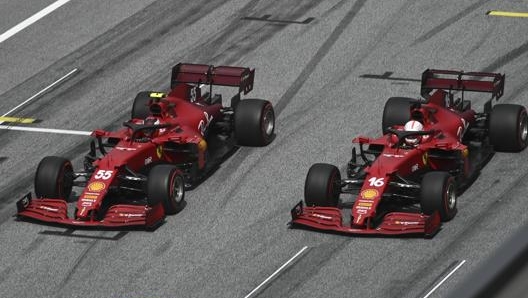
point(414, 167)
point(392, 155)
point(362, 207)
point(361, 211)
point(202, 145)
point(365, 204)
point(125, 148)
point(91, 196)
point(148, 160)
point(358, 219)
point(48, 208)
point(202, 126)
point(406, 223)
point(159, 151)
point(321, 216)
point(369, 194)
point(96, 186)
point(130, 215)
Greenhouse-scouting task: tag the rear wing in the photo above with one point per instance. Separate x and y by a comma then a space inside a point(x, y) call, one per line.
point(464, 81)
point(241, 77)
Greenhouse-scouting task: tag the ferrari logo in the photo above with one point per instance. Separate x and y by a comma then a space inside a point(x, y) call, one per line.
point(425, 158)
point(159, 151)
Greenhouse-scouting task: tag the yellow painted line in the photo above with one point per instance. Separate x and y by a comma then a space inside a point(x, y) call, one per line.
point(17, 119)
point(510, 14)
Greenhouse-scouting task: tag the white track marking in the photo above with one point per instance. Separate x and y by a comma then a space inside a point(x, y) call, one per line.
point(32, 19)
point(47, 130)
point(60, 80)
point(445, 278)
point(276, 272)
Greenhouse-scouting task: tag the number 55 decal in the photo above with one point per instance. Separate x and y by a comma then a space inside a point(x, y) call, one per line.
point(377, 182)
point(102, 174)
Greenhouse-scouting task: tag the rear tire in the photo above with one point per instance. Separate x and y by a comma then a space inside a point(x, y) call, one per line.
point(397, 111)
point(54, 178)
point(254, 122)
point(140, 108)
point(438, 193)
point(508, 128)
point(322, 186)
point(165, 184)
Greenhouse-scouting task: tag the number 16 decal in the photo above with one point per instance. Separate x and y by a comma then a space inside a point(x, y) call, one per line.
point(377, 182)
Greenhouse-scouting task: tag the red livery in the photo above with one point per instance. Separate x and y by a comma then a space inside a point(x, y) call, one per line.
point(407, 181)
point(136, 175)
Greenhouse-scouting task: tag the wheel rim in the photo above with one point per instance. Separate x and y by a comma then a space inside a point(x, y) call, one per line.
point(523, 125)
point(268, 122)
point(451, 197)
point(177, 189)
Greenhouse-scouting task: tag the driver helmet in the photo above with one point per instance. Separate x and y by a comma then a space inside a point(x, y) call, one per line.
point(413, 125)
point(150, 120)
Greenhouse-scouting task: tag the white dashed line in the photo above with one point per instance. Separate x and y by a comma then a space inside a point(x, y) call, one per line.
point(444, 279)
point(277, 272)
point(47, 130)
point(32, 19)
point(60, 80)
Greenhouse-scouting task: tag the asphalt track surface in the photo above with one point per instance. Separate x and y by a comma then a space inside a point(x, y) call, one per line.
point(310, 57)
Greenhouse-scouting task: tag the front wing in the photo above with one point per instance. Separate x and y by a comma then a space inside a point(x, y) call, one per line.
point(393, 223)
point(121, 215)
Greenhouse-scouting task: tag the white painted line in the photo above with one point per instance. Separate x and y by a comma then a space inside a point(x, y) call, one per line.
point(445, 278)
point(32, 19)
point(60, 80)
point(47, 130)
point(276, 272)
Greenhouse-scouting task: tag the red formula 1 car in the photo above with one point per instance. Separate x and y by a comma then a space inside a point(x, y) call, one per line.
point(172, 142)
point(407, 181)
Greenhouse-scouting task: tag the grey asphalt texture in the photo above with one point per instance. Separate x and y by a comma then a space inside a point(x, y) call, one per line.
point(232, 234)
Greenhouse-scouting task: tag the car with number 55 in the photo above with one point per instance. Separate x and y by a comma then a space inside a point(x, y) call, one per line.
point(138, 174)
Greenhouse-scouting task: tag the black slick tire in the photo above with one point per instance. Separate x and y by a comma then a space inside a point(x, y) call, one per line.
point(140, 108)
point(165, 184)
point(508, 128)
point(254, 122)
point(322, 185)
point(54, 178)
point(397, 111)
point(438, 193)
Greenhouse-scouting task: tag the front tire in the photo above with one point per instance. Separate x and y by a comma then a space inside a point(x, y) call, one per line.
point(54, 178)
point(322, 186)
point(166, 185)
point(438, 193)
point(508, 128)
point(254, 122)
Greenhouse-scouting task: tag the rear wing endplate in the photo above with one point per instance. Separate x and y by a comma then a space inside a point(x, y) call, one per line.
point(241, 77)
point(465, 81)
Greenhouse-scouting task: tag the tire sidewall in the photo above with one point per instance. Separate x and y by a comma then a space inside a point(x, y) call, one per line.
point(322, 186)
point(160, 189)
point(54, 178)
